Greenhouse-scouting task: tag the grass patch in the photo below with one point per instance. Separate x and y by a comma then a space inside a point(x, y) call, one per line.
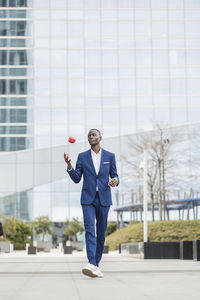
point(164, 231)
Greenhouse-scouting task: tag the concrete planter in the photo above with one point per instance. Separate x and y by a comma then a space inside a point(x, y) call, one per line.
point(134, 249)
point(5, 246)
point(152, 250)
point(67, 249)
point(32, 250)
point(78, 246)
point(44, 246)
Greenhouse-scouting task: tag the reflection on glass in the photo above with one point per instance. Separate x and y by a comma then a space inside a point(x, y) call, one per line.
point(15, 101)
point(14, 3)
point(13, 28)
point(13, 57)
point(18, 86)
point(14, 143)
point(14, 72)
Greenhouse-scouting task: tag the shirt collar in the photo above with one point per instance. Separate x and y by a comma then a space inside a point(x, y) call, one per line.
point(94, 153)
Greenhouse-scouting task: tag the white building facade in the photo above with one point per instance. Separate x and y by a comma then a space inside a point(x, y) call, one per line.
point(70, 65)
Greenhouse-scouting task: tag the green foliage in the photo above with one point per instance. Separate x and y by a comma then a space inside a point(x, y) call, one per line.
point(111, 227)
point(17, 232)
point(54, 239)
point(164, 231)
point(3, 239)
point(19, 246)
point(73, 227)
point(42, 225)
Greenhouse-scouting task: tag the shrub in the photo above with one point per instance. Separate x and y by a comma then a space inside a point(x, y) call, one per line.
point(17, 232)
point(164, 231)
point(111, 227)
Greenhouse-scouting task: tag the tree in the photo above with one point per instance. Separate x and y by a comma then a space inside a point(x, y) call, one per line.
point(73, 227)
point(42, 225)
point(162, 163)
point(17, 232)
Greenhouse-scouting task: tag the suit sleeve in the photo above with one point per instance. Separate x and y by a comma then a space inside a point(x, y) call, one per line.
point(113, 169)
point(76, 174)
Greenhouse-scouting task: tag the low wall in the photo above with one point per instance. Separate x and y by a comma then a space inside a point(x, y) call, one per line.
point(152, 250)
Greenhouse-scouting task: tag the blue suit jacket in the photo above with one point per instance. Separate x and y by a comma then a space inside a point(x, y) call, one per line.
point(85, 166)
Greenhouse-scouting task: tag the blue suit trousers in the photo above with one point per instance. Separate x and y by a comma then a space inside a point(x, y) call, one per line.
point(95, 241)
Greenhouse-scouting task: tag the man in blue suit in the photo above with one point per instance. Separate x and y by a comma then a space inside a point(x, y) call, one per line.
point(98, 168)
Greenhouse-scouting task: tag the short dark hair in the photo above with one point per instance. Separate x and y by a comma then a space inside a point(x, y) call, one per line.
point(96, 130)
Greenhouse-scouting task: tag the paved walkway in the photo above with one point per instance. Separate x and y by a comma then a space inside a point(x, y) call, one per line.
point(57, 276)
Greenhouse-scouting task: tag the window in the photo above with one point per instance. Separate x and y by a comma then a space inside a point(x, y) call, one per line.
point(2, 87)
point(13, 72)
point(13, 130)
point(18, 86)
point(17, 57)
point(3, 57)
point(92, 29)
point(192, 29)
point(59, 28)
point(109, 29)
point(110, 87)
point(93, 87)
point(12, 28)
point(18, 115)
point(161, 86)
point(18, 43)
point(15, 101)
point(18, 143)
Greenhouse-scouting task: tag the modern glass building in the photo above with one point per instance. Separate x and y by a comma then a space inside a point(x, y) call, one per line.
point(16, 89)
point(16, 73)
point(121, 66)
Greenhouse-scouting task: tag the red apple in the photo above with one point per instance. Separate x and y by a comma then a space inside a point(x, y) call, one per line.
point(71, 139)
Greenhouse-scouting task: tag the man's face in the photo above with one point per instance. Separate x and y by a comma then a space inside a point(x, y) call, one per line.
point(94, 137)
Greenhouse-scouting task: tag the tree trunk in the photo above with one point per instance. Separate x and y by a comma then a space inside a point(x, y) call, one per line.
point(152, 207)
point(159, 190)
point(43, 236)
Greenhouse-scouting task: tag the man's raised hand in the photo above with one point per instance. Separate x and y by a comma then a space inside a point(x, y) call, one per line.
point(68, 160)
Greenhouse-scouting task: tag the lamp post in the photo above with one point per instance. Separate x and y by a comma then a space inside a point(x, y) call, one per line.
point(143, 166)
point(165, 142)
point(145, 198)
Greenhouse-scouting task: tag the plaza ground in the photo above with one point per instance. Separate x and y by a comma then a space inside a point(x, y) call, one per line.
point(50, 276)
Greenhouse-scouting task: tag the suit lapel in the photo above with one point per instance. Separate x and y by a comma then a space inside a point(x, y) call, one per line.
point(91, 162)
point(102, 160)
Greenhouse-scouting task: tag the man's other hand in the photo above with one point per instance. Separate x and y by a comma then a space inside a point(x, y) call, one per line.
point(113, 182)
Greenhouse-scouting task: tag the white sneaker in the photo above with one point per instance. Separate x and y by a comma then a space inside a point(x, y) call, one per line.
point(99, 273)
point(90, 270)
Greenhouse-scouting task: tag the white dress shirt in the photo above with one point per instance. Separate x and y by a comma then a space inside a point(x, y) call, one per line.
point(96, 158)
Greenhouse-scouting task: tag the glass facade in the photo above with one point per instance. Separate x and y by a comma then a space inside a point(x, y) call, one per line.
point(16, 76)
point(16, 92)
point(121, 66)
